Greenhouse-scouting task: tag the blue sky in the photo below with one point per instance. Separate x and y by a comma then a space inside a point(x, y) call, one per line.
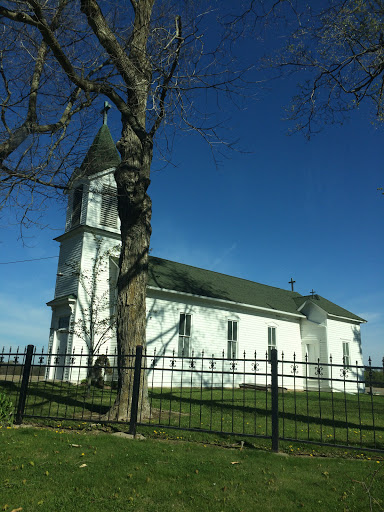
point(280, 207)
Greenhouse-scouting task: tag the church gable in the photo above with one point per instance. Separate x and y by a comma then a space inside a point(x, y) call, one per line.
point(330, 309)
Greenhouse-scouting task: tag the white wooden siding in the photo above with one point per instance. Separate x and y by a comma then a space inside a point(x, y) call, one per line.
point(70, 253)
point(209, 334)
point(339, 332)
point(209, 327)
point(102, 292)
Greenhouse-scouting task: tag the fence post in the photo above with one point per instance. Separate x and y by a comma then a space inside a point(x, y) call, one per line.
point(275, 401)
point(136, 390)
point(24, 385)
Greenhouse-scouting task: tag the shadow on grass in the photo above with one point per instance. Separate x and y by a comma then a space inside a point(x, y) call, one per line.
point(41, 399)
point(47, 399)
point(219, 406)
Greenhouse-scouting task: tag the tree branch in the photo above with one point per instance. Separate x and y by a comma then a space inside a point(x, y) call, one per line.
point(165, 86)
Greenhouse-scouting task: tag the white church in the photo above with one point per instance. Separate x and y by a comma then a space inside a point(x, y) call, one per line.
point(189, 309)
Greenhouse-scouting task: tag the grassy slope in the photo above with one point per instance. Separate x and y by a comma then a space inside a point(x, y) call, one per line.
point(40, 470)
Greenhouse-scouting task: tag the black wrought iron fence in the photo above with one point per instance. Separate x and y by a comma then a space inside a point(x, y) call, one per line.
point(323, 403)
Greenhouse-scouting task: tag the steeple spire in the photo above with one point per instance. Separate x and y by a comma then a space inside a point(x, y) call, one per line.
point(101, 155)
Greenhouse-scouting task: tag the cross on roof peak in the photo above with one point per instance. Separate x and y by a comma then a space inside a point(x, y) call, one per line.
point(104, 111)
point(312, 292)
point(291, 282)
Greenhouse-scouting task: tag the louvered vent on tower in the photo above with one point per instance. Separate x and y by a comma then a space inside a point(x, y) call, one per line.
point(76, 206)
point(108, 214)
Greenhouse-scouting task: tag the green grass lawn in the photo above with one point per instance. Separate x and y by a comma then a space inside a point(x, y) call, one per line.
point(57, 470)
point(307, 416)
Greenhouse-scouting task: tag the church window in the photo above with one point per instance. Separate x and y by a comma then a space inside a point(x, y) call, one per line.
point(346, 356)
point(184, 335)
point(63, 322)
point(232, 339)
point(108, 213)
point(271, 341)
point(76, 205)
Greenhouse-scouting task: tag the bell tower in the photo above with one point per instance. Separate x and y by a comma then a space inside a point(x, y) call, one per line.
point(92, 227)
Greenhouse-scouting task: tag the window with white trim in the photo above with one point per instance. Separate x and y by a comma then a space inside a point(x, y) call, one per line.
point(63, 322)
point(77, 205)
point(232, 339)
point(109, 212)
point(346, 356)
point(271, 341)
point(185, 322)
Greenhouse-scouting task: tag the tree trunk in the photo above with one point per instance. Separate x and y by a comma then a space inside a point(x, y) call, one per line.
point(135, 209)
point(89, 374)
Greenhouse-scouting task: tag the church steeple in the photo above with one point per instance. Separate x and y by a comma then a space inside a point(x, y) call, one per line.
point(101, 155)
point(92, 189)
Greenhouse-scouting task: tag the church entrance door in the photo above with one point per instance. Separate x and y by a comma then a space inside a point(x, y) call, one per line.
point(311, 366)
point(61, 347)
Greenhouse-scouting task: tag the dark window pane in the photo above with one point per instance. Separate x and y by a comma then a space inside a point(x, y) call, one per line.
point(186, 347)
point(76, 206)
point(229, 329)
point(234, 331)
point(181, 347)
point(64, 322)
point(182, 324)
point(188, 325)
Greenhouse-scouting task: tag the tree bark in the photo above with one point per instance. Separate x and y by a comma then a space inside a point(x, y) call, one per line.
point(135, 210)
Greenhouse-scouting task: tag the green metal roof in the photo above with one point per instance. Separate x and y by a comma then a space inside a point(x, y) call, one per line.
point(169, 275)
point(101, 155)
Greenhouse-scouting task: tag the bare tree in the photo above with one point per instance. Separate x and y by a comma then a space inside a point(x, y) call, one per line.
point(149, 58)
point(33, 159)
point(336, 47)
